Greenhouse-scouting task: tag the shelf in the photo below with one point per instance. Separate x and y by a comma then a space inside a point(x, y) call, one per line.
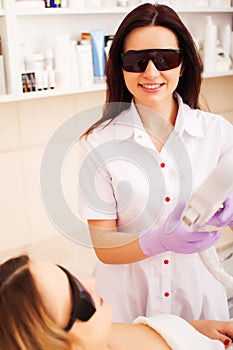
point(51, 93)
point(199, 9)
point(218, 74)
point(71, 11)
point(111, 10)
point(7, 98)
point(92, 88)
point(15, 28)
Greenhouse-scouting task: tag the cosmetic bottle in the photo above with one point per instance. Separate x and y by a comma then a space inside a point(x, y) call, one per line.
point(51, 79)
point(2, 72)
point(55, 3)
point(78, 4)
point(108, 3)
point(39, 81)
point(225, 38)
point(215, 3)
point(122, 3)
point(62, 61)
point(49, 59)
point(108, 42)
point(210, 45)
point(45, 79)
point(98, 53)
point(93, 3)
point(231, 51)
point(47, 3)
point(74, 76)
point(85, 63)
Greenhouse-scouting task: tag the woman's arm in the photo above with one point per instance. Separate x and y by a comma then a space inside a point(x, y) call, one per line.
point(219, 330)
point(170, 332)
point(114, 247)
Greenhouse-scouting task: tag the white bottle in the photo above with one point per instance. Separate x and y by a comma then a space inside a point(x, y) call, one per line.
point(210, 45)
point(231, 51)
point(2, 77)
point(64, 3)
point(85, 63)
point(108, 3)
point(49, 59)
point(225, 38)
point(215, 3)
point(2, 72)
point(93, 3)
point(62, 60)
point(74, 69)
point(78, 4)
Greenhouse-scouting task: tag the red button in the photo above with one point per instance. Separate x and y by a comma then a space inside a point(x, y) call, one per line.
point(166, 261)
point(167, 199)
point(162, 165)
point(166, 294)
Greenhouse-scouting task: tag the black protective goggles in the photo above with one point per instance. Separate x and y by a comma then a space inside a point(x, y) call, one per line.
point(83, 306)
point(136, 61)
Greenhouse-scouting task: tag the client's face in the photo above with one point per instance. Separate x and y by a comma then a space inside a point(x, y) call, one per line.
point(56, 290)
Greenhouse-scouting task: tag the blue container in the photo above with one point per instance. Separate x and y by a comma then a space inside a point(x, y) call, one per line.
point(97, 43)
point(55, 3)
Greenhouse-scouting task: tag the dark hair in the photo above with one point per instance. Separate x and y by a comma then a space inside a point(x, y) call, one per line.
point(142, 16)
point(24, 322)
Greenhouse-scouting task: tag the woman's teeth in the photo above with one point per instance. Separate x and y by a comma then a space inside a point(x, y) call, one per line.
point(151, 86)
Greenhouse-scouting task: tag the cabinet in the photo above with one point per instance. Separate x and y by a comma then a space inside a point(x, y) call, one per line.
point(38, 27)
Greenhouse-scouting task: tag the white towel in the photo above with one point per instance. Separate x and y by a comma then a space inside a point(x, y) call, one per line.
point(179, 334)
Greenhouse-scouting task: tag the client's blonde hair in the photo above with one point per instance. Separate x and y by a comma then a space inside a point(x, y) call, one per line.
point(24, 322)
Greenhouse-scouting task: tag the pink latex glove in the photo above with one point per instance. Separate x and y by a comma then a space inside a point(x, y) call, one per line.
point(223, 217)
point(172, 236)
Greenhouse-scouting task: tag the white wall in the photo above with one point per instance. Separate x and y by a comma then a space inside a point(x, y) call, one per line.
point(25, 129)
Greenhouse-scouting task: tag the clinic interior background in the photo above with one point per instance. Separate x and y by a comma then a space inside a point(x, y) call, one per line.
point(25, 129)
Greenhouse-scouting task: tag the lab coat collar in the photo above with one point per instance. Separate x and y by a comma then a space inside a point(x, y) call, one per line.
point(128, 124)
point(187, 121)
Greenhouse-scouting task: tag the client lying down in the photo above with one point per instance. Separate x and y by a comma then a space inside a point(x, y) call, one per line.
point(44, 307)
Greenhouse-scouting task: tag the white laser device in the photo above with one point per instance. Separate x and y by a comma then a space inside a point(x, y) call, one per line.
point(205, 202)
point(209, 197)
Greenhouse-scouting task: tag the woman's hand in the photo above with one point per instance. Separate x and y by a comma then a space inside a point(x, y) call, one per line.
point(172, 236)
point(224, 217)
point(218, 330)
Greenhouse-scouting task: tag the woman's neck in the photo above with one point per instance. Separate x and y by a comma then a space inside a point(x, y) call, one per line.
point(167, 110)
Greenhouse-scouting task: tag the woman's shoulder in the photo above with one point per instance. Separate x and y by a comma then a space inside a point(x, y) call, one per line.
point(206, 118)
point(109, 130)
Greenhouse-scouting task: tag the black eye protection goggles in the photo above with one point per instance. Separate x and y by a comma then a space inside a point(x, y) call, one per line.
point(83, 305)
point(136, 61)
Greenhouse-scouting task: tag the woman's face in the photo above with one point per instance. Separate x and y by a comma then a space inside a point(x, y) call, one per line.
point(152, 87)
point(54, 287)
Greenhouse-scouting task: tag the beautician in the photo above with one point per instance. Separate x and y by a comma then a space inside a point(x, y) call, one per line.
point(148, 261)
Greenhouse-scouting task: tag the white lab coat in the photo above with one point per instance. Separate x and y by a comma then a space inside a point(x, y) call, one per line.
point(140, 192)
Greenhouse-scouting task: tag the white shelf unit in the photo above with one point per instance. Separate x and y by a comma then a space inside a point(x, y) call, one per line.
point(39, 26)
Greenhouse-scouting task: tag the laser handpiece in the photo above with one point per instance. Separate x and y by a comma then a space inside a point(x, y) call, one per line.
point(205, 202)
